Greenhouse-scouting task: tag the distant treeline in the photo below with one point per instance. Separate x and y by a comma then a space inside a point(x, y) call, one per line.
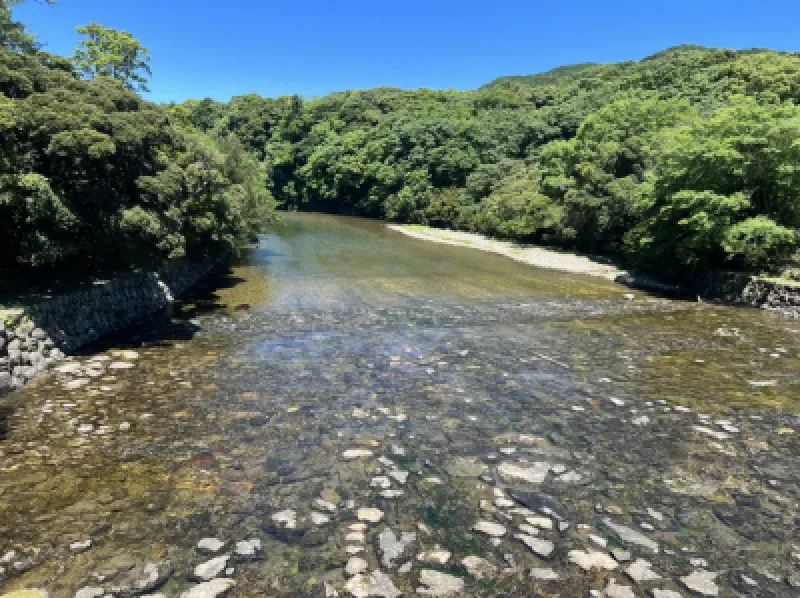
point(685, 161)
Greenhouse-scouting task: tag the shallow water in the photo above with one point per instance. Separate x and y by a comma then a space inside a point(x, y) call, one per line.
point(462, 369)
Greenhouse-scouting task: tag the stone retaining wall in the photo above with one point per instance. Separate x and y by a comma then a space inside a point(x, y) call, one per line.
point(742, 289)
point(34, 339)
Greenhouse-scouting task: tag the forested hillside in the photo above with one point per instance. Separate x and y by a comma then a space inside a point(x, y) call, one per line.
point(94, 177)
point(685, 161)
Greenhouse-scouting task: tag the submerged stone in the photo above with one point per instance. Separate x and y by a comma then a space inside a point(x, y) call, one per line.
point(591, 559)
point(701, 582)
point(478, 567)
point(544, 574)
point(210, 589)
point(435, 583)
point(374, 584)
point(627, 534)
point(210, 545)
point(211, 568)
point(490, 528)
point(641, 570)
point(539, 546)
point(534, 474)
point(392, 546)
point(369, 514)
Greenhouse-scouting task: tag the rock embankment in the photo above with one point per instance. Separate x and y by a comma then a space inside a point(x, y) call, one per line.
point(34, 339)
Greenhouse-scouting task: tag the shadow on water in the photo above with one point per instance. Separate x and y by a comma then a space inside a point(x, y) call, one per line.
point(178, 322)
point(5, 426)
point(175, 324)
point(161, 330)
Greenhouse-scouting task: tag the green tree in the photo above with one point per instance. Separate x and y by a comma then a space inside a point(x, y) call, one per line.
point(110, 53)
point(725, 192)
point(12, 33)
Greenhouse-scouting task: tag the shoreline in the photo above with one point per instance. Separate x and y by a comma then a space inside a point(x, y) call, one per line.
point(536, 256)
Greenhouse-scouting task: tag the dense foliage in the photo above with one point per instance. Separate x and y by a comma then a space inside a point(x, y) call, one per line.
point(92, 176)
point(683, 162)
point(679, 163)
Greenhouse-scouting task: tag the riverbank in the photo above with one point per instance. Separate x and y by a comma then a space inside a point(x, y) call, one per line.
point(776, 295)
point(539, 257)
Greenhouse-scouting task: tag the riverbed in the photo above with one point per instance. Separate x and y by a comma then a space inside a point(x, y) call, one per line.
point(353, 412)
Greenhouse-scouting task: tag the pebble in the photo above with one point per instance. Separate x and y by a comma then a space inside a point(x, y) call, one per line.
point(120, 365)
point(324, 504)
point(544, 574)
point(436, 583)
point(211, 568)
point(535, 474)
point(748, 580)
point(641, 570)
point(287, 517)
point(319, 518)
point(666, 593)
point(90, 592)
point(210, 545)
point(623, 556)
point(209, 589)
point(357, 453)
point(355, 537)
point(141, 581)
point(616, 591)
point(77, 383)
point(701, 582)
point(79, 547)
point(543, 522)
point(436, 556)
point(655, 514)
point(601, 542)
point(247, 548)
point(632, 536)
point(590, 559)
point(539, 546)
point(399, 476)
point(369, 514)
point(380, 482)
point(478, 567)
point(356, 565)
point(375, 584)
point(495, 530)
point(392, 546)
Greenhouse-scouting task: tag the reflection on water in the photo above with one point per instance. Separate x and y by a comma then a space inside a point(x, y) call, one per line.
point(340, 366)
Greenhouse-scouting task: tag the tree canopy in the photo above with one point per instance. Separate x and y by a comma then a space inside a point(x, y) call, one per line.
point(110, 53)
point(93, 176)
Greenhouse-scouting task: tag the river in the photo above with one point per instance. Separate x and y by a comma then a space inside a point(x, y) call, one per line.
point(350, 411)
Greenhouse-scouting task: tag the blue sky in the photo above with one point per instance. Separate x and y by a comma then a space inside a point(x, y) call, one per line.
point(204, 48)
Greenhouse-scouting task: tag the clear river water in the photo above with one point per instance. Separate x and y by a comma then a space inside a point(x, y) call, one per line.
point(352, 412)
